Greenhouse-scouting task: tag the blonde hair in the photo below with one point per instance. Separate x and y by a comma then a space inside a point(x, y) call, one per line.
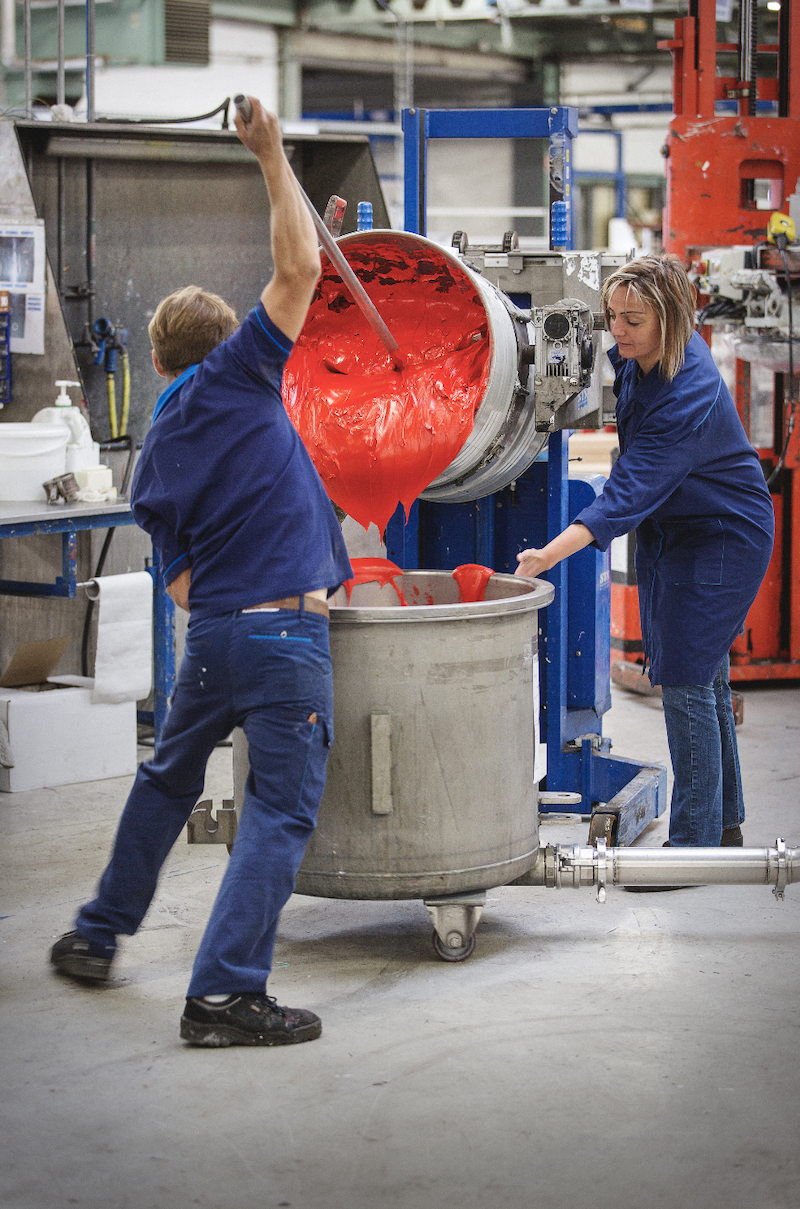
point(187, 325)
point(660, 283)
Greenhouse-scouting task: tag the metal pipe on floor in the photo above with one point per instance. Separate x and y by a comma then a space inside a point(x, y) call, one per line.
point(575, 866)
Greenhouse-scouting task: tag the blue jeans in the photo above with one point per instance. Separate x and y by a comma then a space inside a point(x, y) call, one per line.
point(270, 673)
point(707, 786)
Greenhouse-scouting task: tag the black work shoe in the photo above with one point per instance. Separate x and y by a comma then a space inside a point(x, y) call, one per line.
point(732, 838)
point(77, 958)
point(250, 1018)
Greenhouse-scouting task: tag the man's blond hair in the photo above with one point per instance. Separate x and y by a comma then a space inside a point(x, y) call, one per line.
point(660, 283)
point(187, 325)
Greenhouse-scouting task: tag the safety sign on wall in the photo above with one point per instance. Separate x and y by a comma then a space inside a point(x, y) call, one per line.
point(22, 273)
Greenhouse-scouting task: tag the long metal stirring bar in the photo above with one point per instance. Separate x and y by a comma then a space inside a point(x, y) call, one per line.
point(360, 295)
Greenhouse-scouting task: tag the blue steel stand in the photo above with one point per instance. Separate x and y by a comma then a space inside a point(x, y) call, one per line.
point(622, 795)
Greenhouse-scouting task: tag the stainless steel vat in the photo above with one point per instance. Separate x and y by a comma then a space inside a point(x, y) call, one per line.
point(430, 787)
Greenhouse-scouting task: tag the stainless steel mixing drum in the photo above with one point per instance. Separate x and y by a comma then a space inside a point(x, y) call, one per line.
point(430, 791)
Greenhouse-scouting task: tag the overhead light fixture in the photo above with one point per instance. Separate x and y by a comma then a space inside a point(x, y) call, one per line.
point(774, 6)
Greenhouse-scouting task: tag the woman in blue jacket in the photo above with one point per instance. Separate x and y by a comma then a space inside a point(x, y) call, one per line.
point(689, 482)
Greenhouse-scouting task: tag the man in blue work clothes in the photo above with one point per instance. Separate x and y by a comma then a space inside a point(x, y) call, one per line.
point(250, 545)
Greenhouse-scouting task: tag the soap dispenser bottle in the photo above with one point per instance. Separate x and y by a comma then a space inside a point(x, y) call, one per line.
point(82, 451)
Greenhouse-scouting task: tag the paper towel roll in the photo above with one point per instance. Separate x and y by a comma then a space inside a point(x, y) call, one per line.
point(124, 660)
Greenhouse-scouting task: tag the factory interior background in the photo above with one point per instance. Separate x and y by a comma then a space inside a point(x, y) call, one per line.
point(637, 1050)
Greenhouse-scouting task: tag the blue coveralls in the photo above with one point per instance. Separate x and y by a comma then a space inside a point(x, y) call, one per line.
point(690, 483)
point(225, 486)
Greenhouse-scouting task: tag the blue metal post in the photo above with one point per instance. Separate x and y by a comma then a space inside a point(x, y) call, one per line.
point(562, 128)
point(69, 562)
point(555, 695)
point(415, 145)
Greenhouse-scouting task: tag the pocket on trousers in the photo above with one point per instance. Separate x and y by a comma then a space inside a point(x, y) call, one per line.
point(306, 717)
point(277, 664)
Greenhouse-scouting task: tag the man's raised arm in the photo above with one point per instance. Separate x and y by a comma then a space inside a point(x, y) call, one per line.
point(295, 253)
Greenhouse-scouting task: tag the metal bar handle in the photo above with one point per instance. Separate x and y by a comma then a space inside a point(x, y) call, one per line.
point(360, 295)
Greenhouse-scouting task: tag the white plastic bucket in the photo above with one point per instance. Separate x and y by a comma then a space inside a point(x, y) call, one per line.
point(30, 454)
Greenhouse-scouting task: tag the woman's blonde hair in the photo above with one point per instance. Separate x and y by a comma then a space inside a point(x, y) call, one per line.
point(187, 325)
point(660, 283)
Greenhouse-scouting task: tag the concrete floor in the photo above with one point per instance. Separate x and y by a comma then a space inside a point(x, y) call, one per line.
point(640, 1053)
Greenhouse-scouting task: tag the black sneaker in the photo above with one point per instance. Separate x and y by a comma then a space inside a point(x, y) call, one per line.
point(250, 1018)
point(77, 958)
point(732, 838)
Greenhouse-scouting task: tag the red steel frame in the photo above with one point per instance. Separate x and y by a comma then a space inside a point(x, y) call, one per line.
point(710, 159)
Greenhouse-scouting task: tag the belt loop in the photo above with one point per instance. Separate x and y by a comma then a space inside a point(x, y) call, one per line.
point(302, 604)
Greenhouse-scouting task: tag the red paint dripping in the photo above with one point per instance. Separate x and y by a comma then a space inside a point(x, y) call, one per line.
point(374, 570)
point(378, 436)
point(472, 579)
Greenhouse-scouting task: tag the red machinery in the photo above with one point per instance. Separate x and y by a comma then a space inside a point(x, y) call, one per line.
point(722, 171)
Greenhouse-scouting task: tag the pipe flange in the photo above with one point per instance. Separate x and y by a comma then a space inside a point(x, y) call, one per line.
point(552, 868)
point(601, 867)
point(782, 869)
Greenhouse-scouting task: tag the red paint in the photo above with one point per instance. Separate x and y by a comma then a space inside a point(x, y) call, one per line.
point(379, 436)
point(374, 570)
point(472, 579)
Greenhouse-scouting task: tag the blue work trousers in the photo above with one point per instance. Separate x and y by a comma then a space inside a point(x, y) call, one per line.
point(707, 785)
point(270, 673)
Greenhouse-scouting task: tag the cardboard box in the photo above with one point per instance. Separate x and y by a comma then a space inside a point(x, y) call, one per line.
point(57, 737)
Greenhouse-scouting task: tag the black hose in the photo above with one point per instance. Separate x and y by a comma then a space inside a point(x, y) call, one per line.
point(123, 442)
point(200, 117)
point(87, 621)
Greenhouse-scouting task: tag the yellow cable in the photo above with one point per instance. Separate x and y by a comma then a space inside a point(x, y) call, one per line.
point(126, 394)
point(112, 405)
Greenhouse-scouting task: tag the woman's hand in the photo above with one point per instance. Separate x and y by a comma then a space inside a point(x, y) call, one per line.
point(535, 562)
point(532, 563)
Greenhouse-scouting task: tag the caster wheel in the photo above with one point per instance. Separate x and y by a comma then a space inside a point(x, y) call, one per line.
point(603, 827)
point(453, 952)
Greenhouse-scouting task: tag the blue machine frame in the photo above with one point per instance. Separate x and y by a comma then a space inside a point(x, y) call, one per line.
point(574, 638)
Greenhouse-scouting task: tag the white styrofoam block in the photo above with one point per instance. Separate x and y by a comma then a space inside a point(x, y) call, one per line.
point(58, 737)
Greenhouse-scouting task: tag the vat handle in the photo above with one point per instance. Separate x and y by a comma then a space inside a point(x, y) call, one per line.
point(381, 745)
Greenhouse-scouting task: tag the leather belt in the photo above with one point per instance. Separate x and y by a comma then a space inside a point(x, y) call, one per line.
point(311, 604)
